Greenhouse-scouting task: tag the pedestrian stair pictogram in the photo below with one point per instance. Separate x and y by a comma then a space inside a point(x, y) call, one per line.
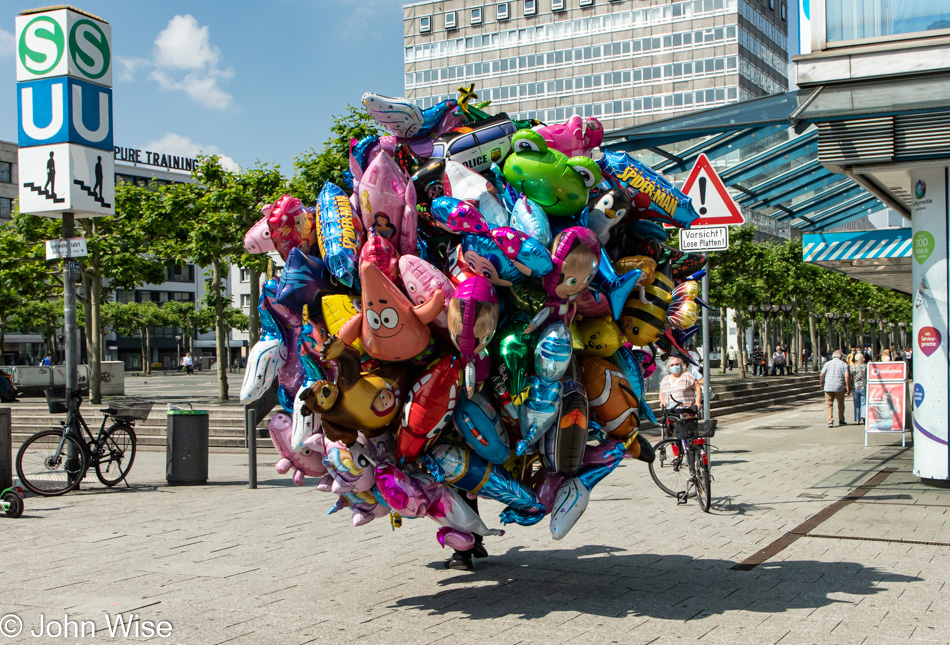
point(86, 189)
point(45, 193)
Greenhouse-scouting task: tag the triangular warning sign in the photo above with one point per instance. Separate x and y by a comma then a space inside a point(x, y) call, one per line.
point(710, 197)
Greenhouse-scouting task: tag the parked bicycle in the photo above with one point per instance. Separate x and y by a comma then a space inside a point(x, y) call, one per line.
point(55, 461)
point(681, 467)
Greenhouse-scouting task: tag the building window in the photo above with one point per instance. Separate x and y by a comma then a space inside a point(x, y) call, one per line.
point(530, 7)
point(425, 24)
point(556, 5)
point(245, 275)
point(246, 300)
point(586, 3)
point(772, 5)
point(175, 273)
point(476, 16)
point(502, 11)
point(6, 207)
point(784, 11)
point(6, 172)
point(450, 21)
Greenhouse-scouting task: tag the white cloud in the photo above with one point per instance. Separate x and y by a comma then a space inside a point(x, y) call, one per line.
point(176, 144)
point(184, 60)
point(7, 46)
point(184, 45)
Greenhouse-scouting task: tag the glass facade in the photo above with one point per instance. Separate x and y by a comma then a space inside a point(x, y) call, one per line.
point(621, 62)
point(859, 19)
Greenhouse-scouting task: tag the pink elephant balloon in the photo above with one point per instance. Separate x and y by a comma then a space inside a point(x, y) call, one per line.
point(308, 462)
point(574, 138)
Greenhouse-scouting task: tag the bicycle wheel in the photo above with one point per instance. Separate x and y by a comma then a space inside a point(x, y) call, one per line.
point(117, 454)
point(46, 469)
point(701, 472)
point(669, 470)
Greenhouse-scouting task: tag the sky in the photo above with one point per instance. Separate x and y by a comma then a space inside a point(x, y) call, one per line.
point(248, 81)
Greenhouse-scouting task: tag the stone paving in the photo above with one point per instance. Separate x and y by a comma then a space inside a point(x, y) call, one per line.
point(224, 564)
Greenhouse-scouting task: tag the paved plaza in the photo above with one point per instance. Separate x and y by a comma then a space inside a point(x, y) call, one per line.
point(224, 564)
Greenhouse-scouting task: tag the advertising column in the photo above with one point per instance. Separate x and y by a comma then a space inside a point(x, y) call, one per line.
point(931, 371)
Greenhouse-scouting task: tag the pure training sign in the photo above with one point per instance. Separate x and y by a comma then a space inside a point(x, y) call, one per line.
point(62, 42)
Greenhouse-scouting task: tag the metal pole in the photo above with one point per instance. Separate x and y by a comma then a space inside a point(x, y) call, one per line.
point(707, 373)
point(69, 329)
point(250, 428)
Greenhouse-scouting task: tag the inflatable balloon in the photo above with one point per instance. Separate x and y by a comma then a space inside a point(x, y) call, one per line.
point(391, 328)
point(465, 470)
point(429, 407)
point(337, 236)
point(473, 315)
point(480, 426)
point(291, 226)
point(527, 254)
point(258, 238)
point(574, 138)
point(465, 184)
point(668, 203)
point(557, 183)
point(380, 251)
point(387, 202)
point(576, 258)
point(337, 310)
point(607, 209)
point(644, 319)
point(458, 216)
point(307, 462)
point(529, 218)
point(571, 502)
point(612, 400)
point(421, 280)
point(598, 337)
point(303, 280)
point(265, 359)
point(359, 401)
point(564, 444)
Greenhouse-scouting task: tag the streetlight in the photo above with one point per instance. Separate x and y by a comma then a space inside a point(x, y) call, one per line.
point(903, 326)
point(178, 349)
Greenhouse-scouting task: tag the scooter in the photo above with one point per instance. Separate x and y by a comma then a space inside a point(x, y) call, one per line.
point(11, 502)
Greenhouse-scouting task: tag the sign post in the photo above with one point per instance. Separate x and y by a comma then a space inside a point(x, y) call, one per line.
point(64, 122)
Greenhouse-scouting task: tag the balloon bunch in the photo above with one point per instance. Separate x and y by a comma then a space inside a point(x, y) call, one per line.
point(474, 314)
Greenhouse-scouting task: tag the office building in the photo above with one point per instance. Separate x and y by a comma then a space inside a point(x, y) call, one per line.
point(624, 62)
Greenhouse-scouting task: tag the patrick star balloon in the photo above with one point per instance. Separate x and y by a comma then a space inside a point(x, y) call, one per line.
point(390, 327)
point(387, 202)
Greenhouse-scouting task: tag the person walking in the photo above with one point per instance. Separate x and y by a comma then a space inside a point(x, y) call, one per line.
point(886, 356)
point(835, 380)
point(188, 363)
point(731, 357)
point(758, 359)
point(909, 359)
point(859, 386)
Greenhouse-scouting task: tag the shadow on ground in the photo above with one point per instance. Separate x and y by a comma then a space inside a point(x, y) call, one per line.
point(611, 582)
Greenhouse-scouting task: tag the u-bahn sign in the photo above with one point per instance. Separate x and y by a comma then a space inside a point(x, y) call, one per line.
point(64, 105)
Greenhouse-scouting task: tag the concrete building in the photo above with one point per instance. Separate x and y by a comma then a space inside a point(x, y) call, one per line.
point(624, 62)
point(875, 81)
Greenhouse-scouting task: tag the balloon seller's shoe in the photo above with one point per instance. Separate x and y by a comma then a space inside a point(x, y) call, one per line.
point(479, 551)
point(460, 561)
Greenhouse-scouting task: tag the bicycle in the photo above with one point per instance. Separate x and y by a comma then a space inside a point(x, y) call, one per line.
point(53, 462)
point(681, 467)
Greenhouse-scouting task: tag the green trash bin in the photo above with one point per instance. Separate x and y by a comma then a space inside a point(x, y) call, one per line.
point(186, 450)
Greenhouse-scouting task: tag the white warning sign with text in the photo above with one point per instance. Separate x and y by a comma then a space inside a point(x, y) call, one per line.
point(707, 238)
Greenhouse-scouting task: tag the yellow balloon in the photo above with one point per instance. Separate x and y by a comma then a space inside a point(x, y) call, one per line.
point(337, 309)
point(599, 337)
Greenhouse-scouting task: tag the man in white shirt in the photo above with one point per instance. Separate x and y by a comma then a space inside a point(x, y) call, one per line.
point(835, 380)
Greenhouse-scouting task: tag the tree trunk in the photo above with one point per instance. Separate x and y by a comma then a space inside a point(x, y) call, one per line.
point(3, 333)
point(813, 334)
point(740, 341)
point(723, 338)
point(143, 331)
point(220, 330)
point(254, 316)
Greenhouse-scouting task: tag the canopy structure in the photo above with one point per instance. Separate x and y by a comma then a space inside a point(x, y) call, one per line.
point(881, 257)
point(771, 168)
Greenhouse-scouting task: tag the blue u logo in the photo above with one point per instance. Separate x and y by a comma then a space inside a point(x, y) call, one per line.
point(64, 110)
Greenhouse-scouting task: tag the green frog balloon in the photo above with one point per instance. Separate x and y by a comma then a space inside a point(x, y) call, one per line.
point(559, 184)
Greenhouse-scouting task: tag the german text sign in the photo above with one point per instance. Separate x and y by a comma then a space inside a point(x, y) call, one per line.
point(707, 238)
point(74, 247)
point(893, 371)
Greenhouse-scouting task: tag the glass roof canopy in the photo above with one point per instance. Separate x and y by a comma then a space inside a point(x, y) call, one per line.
point(769, 167)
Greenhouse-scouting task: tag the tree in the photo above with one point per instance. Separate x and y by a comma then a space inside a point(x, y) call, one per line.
point(330, 163)
point(132, 318)
point(123, 250)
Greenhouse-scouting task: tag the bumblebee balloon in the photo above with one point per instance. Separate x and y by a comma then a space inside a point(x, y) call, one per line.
point(643, 321)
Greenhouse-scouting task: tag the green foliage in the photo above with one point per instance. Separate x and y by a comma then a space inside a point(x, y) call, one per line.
point(315, 167)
